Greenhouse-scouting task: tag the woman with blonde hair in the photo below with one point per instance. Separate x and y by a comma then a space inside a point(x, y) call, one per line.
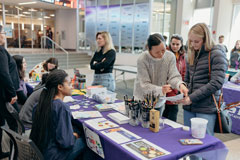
point(202, 53)
point(103, 61)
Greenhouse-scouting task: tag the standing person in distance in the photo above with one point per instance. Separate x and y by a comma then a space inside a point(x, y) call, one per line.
point(103, 61)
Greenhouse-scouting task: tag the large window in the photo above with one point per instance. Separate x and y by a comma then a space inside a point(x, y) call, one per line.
point(164, 17)
point(25, 26)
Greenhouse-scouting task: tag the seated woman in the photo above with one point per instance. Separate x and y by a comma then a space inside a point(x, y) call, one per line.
point(44, 67)
point(25, 114)
point(52, 129)
point(236, 78)
point(22, 93)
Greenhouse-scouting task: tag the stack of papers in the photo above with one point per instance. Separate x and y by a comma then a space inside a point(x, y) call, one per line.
point(68, 99)
point(172, 123)
point(101, 123)
point(86, 114)
point(75, 106)
point(103, 107)
point(118, 117)
point(120, 135)
point(120, 107)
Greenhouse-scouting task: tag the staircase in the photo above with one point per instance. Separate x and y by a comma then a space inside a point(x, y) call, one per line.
point(76, 59)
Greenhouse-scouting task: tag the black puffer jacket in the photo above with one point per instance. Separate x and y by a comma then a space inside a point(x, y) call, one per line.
point(199, 85)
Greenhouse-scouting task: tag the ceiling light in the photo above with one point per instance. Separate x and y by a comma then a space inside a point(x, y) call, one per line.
point(39, 18)
point(26, 12)
point(32, 10)
point(18, 8)
point(25, 3)
point(52, 15)
point(46, 17)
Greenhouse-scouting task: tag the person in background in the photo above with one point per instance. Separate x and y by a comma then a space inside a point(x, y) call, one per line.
point(221, 40)
point(200, 83)
point(44, 67)
point(52, 129)
point(235, 56)
point(49, 34)
point(236, 78)
point(25, 114)
point(165, 38)
point(9, 84)
point(157, 71)
point(176, 46)
point(103, 61)
point(22, 91)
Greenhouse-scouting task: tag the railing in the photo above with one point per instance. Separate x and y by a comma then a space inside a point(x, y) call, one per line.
point(43, 39)
point(83, 44)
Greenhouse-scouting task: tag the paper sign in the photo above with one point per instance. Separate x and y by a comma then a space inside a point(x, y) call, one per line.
point(93, 141)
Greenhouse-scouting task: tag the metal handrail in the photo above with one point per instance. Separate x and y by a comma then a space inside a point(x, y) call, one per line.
point(53, 46)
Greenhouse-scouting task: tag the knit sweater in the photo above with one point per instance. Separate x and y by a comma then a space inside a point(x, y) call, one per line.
point(153, 73)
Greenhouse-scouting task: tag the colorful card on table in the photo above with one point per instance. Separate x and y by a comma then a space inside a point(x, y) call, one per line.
point(93, 141)
point(103, 107)
point(101, 123)
point(120, 135)
point(75, 106)
point(145, 150)
point(86, 114)
point(190, 141)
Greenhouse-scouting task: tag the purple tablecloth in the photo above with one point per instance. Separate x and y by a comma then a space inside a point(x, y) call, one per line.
point(167, 138)
point(231, 93)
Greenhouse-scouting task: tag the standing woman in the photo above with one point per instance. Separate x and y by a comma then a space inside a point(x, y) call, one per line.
point(176, 46)
point(235, 56)
point(9, 83)
point(22, 91)
point(52, 130)
point(103, 61)
point(200, 83)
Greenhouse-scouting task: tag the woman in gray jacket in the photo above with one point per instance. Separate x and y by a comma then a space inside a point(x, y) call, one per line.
point(200, 83)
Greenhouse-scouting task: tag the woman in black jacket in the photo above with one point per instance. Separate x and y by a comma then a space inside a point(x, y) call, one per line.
point(200, 83)
point(9, 83)
point(103, 61)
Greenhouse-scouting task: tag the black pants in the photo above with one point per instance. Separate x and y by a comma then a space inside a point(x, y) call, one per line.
point(6, 116)
point(170, 112)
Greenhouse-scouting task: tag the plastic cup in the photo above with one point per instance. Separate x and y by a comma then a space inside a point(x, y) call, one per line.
point(198, 127)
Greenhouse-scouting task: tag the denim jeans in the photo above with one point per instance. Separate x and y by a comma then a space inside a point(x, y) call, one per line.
point(210, 117)
point(78, 148)
point(106, 80)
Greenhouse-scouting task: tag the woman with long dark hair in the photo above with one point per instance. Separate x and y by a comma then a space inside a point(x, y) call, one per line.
point(22, 91)
point(52, 129)
point(175, 46)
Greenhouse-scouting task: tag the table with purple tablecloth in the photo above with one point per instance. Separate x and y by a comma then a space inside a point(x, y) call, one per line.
point(231, 94)
point(167, 138)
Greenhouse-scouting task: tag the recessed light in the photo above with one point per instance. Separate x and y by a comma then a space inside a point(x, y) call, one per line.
point(46, 17)
point(26, 12)
point(52, 15)
point(25, 3)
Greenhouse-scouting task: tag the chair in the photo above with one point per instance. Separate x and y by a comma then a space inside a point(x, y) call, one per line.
point(24, 148)
point(14, 113)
